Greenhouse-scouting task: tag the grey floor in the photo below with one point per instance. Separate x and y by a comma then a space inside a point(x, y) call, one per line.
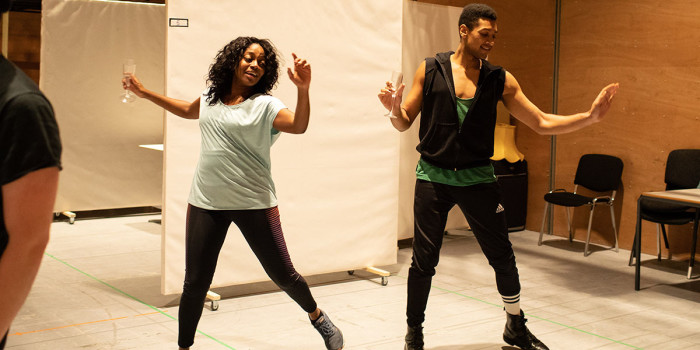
point(99, 288)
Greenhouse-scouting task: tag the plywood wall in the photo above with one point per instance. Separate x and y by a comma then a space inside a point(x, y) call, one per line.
point(651, 48)
point(525, 47)
point(24, 42)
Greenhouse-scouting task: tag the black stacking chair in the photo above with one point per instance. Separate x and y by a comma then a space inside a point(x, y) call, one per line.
point(682, 172)
point(597, 172)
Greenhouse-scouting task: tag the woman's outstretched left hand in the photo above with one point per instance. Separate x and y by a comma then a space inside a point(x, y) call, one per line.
point(301, 76)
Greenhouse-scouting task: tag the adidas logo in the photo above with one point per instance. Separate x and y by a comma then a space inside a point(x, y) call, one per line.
point(500, 208)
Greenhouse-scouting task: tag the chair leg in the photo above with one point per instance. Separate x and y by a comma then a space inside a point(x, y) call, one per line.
point(634, 246)
point(663, 231)
point(612, 216)
point(569, 224)
point(658, 241)
point(544, 221)
point(588, 236)
point(694, 245)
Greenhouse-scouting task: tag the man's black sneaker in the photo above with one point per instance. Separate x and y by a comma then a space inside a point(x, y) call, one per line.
point(517, 334)
point(414, 338)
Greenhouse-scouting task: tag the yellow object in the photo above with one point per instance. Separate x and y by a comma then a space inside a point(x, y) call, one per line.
point(377, 271)
point(504, 144)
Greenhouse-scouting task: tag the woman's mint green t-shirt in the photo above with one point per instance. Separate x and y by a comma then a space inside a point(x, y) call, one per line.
point(234, 170)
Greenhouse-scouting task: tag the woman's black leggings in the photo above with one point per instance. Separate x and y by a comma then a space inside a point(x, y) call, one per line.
point(206, 231)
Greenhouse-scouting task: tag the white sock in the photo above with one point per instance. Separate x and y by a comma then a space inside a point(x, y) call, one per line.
point(512, 304)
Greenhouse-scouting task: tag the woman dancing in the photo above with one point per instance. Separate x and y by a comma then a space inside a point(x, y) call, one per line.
point(239, 121)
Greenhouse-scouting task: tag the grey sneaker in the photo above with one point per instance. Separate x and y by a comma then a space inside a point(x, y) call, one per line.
point(330, 333)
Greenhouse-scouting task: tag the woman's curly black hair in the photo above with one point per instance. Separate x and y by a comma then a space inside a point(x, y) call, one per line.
point(223, 69)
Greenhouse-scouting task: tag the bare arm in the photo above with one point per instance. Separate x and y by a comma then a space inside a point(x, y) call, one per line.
point(407, 112)
point(296, 122)
point(27, 208)
point(551, 124)
point(183, 109)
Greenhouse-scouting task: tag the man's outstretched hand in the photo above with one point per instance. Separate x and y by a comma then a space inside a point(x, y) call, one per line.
point(603, 101)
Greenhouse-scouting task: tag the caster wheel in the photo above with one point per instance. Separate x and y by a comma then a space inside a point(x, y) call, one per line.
point(385, 281)
point(214, 305)
point(351, 272)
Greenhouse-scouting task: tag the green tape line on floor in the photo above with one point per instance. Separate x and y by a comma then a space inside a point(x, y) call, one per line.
point(404, 277)
point(133, 297)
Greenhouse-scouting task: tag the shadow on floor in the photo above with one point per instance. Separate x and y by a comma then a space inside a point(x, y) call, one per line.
point(147, 289)
point(603, 274)
point(574, 246)
point(150, 227)
point(677, 267)
point(472, 347)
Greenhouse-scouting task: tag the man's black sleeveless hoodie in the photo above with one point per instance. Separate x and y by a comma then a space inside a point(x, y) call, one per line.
point(442, 142)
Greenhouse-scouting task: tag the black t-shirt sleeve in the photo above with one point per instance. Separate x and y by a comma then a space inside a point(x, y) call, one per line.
point(29, 137)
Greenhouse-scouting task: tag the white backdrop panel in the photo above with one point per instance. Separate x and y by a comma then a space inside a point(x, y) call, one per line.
point(83, 46)
point(337, 184)
point(427, 29)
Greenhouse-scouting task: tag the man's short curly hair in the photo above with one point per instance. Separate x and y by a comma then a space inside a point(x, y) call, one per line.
point(222, 71)
point(473, 12)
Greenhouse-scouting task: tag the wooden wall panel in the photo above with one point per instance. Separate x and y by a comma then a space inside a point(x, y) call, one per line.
point(525, 47)
point(651, 49)
point(25, 42)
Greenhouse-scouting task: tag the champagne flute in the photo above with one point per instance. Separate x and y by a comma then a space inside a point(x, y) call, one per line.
point(129, 67)
point(396, 78)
